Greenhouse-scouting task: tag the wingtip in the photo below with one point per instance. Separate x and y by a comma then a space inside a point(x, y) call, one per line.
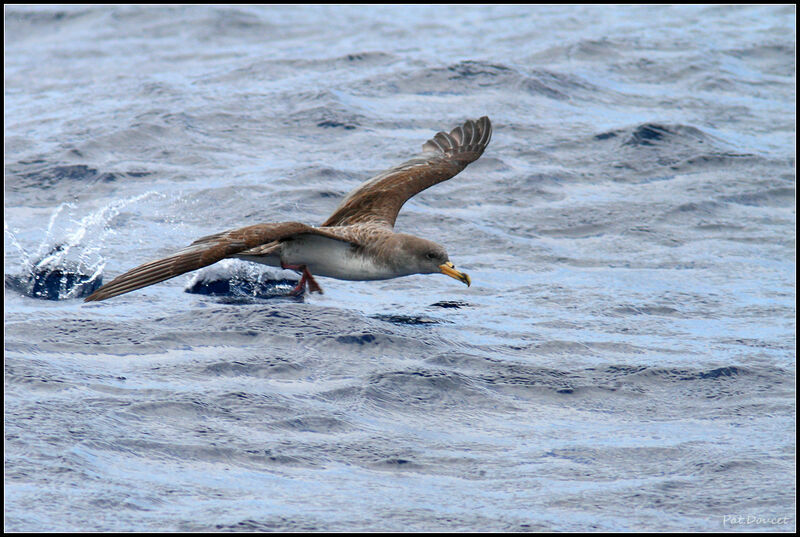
point(96, 296)
point(473, 135)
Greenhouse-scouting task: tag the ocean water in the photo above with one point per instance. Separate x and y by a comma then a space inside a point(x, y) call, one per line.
point(625, 357)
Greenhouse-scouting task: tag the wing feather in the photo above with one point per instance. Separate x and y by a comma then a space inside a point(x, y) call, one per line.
point(203, 252)
point(379, 200)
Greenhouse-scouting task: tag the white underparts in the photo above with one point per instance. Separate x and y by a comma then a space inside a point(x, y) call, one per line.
point(326, 257)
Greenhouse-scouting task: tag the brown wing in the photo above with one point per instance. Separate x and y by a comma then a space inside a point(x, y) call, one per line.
point(201, 253)
point(380, 199)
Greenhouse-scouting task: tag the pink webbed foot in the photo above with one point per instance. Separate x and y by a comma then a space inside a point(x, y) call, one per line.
point(306, 279)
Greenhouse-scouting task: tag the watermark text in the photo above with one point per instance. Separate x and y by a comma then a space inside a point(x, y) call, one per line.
point(753, 520)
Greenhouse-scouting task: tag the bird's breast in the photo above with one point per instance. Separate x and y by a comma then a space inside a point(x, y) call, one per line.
point(333, 259)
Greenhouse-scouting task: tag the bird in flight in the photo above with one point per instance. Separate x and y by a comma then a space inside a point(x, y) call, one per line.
point(357, 242)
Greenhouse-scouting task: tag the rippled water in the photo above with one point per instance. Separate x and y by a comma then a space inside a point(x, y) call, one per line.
point(625, 357)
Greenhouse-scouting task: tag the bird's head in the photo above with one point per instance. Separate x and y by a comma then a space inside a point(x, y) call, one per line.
point(426, 257)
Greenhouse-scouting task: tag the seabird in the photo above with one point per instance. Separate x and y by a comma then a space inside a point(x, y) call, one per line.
point(357, 242)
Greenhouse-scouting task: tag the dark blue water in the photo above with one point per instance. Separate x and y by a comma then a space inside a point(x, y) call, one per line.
point(625, 357)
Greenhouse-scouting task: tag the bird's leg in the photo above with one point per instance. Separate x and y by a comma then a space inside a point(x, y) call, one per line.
point(313, 286)
point(305, 279)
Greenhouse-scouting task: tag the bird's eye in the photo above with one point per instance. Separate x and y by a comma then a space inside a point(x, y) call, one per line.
point(431, 255)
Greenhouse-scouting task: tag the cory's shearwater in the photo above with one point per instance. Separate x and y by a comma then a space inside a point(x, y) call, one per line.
point(357, 242)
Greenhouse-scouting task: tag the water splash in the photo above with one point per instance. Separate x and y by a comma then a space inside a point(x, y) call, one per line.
point(67, 263)
point(240, 281)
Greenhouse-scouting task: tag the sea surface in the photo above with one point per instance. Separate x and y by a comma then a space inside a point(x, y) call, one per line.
point(623, 361)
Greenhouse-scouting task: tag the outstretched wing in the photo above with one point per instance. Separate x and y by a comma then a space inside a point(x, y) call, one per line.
point(379, 200)
point(204, 252)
